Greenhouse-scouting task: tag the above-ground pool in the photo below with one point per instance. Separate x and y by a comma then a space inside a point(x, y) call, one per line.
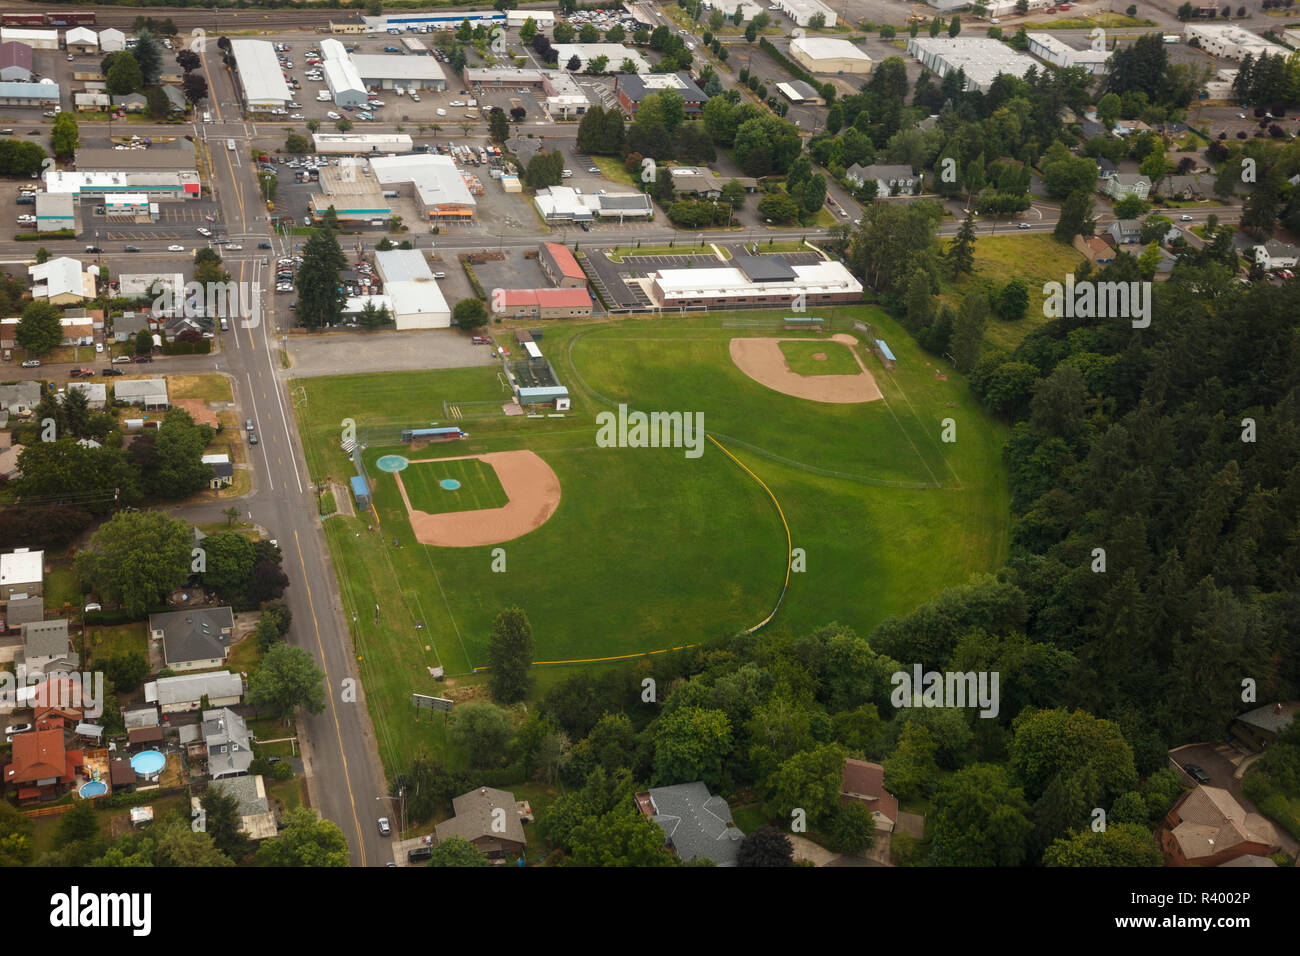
point(148, 762)
point(95, 788)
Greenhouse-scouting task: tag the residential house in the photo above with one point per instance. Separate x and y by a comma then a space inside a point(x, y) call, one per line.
point(9, 454)
point(1125, 231)
point(131, 102)
point(57, 696)
point(1258, 729)
point(696, 182)
point(229, 747)
point(256, 818)
point(129, 324)
point(1124, 185)
point(1098, 251)
point(1276, 255)
point(890, 180)
point(1208, 827)
point(175, 99)
point(22, 609)
point(695, 824)
point(223, 470)
point(146, 392)
point(121, 775)
point(1105, 168)
point(41, 767)
point(96, 393)
point(1186, 188)
point(46, 650)
point(21, 397)
point(1130, 127)
point(22, 573)
point(195, 638)
point(1091, 129)
point(487, 818)
point(863, 782)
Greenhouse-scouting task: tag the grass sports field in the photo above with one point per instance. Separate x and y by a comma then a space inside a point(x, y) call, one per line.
point(479, 487)
point(650, 547)
point(837, 360)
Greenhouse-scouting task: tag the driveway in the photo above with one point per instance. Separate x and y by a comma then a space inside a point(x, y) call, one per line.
point(346, 353)
point(1221, 761)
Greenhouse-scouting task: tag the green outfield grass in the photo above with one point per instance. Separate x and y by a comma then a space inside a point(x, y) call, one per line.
point(650, 548)
point(838, 358)
point(479, 486)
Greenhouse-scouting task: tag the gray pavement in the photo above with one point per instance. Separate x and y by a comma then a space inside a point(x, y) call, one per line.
point(348, 353)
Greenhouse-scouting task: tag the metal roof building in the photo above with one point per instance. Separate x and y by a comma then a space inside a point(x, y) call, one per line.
point(391, 71)
point(29, 94)
point(15, 62)
point(437, 183)
point(980, 58)
point(260, 75)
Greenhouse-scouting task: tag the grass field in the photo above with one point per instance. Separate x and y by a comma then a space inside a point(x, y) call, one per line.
point(998, 259)
point(650, 548)
point(479, 485)
point(838, 359)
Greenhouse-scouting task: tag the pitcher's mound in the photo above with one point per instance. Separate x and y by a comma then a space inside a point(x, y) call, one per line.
point(761, 360)
point(528, 482)
point(819, 356)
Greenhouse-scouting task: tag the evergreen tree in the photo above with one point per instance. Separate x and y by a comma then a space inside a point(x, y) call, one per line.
point(961, 254)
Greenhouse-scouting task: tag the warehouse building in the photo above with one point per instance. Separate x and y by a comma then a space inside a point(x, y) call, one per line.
point(827, 55)
point(996, 8)
point(81, 40)
point(55, 211)
point(179, 155)
point(432, 21)
point(752, 282)
point(563, 204)
point(501, 77)
point(391, 72)
point(748, 10)
point(417, 302)
point(981, 59)
point(614, 53)
point(36, 39)
point(803, 11)
point(1058, 53)
point(437, 184)
point(561, 266)
point(1232, 42)
point(260, 76)
point(15, 62)
point(356, 143)
point(341, 75)
point(112, 41)
point(632, 88)
point(42, 94)
point(154, 184)
point(565, 95)
point(545, 19)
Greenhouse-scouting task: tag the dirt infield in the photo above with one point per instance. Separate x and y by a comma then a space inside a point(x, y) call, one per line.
point(529, 483)
point(761, 360)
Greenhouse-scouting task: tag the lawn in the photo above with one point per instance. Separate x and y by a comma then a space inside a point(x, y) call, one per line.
point(836, 359)
point(613, 169)
point(684, 248)
point(479, 486)
point(105, 642)
point(650, 548)
point(206, 388)
point(998, 259)
point(61, 589)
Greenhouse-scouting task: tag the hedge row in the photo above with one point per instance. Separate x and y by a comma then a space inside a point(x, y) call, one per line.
point(793, 68)
point(473, 281)
point(41, 236)
point(187, 348)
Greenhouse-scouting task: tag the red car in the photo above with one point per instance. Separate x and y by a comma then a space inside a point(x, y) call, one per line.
point(482, 340)
point(82, 372)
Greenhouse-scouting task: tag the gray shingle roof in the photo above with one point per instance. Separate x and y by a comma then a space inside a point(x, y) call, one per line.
point(229, 749)
point(46, 638)
point(473, 819)
point(195, 634)
point(697, 824)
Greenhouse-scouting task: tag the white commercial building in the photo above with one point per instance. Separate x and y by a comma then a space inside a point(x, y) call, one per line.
point(803, 11)
point(358, 143)
point(111, 41)
point(435, 180)
point(81, 40)
point(417, 302)
point(545, 19)
point(61, 281)
point(1058, 53)
point(166, 184)
point(996, 8)
point(1232, 42)
point(748, 9)
point(828, 55)
point(36, 39)
point(392, 71)
point(260, 74)
point(614, 53)
point(982, 60)
point(341, 75)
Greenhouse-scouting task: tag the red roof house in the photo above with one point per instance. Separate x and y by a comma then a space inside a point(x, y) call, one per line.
point(41, 767)
point(58, 697)
point(864, 783)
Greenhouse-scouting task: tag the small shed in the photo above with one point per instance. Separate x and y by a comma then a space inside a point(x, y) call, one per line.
point(360, 491)
point(141, 816)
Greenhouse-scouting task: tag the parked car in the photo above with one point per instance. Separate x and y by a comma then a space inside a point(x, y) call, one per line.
point(384, 828)
point(32, 363)
point(121, 359)
point(252, 438)
point(175, 248)
point(110, 370)
point(82, 372)
point(18, 728)
point(1198, 774)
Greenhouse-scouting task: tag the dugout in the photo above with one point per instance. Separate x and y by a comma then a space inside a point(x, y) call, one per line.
point(426, 435)
point(885, 355)
point(361, 491)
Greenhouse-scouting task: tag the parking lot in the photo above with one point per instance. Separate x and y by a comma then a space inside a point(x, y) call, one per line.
point(512, 272)
point(339, 353)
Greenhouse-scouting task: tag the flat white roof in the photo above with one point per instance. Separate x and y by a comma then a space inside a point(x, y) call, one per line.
point(586, 52)
point(22, 567)
point(259, 72)
point(730, 281)
point(341, 76)
point(60, 276)
point(394, 66)
point(401, 265)
point(416, 297)
point(1062, 49)
point(828, 48)
point(437, 180)
point(980, 58)
point(364, 142)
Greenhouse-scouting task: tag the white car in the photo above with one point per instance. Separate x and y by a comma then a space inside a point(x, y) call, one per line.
point(442, 112)
point(175, 248)
point(415, 97)
point(204, 232)
point(234, 245)
point(455, 102)
point(332, 115)
point(1184, 218)
point(295, 116)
